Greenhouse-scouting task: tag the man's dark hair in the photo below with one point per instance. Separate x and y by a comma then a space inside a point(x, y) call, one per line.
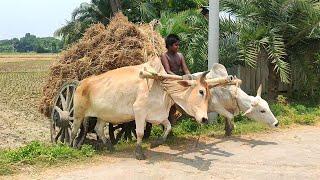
point(171, 39)
point(205, 10)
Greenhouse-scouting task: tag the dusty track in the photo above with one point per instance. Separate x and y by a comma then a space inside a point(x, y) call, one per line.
point(18, 127)
point(287, 154)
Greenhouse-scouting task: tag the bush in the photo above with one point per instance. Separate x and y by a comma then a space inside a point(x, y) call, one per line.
point(186, 126)
point(156, 131)
point(279, 109)
point(308, 119)
point(301, 109)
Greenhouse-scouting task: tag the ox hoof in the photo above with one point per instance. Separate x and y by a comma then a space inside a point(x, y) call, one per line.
point(74, 145)
point(228, 133)
point(110, 148)
point(156, 143)
point(228, 130)
point(139, 153)
point(78, 146)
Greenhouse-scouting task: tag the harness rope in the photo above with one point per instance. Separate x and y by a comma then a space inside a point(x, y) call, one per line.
point(235, 97)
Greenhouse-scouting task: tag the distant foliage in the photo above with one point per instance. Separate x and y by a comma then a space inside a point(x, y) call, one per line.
point(31, 43)
point(100, 11)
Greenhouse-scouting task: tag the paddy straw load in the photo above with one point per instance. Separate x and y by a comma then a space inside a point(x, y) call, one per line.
point(101, 49)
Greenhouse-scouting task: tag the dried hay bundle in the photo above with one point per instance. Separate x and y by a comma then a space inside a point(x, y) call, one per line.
point(101, 49)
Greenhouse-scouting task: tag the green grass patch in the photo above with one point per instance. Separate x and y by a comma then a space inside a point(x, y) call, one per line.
point(36, 153)
point(243, 125)
point(296, 113)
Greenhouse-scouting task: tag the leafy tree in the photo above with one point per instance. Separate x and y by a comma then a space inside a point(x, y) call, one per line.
point(102, 10)
point(82, 17)
point(30, 43)
point(27, 43)
point(6, 46)
point(274, 26)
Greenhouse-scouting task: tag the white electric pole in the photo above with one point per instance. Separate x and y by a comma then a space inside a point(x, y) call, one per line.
point(213, 42)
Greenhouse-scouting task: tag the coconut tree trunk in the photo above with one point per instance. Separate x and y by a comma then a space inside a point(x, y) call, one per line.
point(115, 5)
point(273, 82)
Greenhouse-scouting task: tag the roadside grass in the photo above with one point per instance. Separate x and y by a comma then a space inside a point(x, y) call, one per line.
point(40, 154)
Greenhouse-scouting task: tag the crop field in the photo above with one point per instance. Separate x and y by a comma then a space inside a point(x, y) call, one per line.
point(21, 80)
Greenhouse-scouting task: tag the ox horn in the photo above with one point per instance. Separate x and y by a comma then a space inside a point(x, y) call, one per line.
point(203, 77)
point(154, 75)
point(212, 82)
point(248, 111)
point(259, 90)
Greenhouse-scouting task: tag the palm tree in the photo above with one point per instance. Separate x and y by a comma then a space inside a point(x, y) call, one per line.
point(85, 15)
point(136, 11)
point(273, 26)
point(192, 27)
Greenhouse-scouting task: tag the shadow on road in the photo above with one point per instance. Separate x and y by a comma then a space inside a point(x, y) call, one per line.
point(250, 142)
point(193, 153)
point(190, 151)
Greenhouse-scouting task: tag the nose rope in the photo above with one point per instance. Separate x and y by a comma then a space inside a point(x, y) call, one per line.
point(235, 96)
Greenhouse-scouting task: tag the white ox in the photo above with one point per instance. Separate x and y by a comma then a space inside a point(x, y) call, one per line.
point(120, 95)
point(229, 100)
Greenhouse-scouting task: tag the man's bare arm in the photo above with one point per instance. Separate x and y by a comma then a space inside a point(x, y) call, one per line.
point(165, 63)
point(184, 66)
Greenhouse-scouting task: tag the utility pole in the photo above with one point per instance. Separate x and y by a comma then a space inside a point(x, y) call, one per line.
point(213, 48)
point(213, 42)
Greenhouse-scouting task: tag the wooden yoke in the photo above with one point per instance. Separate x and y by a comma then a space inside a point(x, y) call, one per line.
point(212, 82)
point(222, 81)
point(154, 75)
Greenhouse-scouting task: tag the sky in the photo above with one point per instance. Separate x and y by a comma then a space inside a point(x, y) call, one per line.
point(38, 17)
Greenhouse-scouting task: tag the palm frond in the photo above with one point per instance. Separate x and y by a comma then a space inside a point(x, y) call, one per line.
point(276, 52)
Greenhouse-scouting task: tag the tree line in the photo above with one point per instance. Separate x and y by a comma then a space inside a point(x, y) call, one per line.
point(31, 43)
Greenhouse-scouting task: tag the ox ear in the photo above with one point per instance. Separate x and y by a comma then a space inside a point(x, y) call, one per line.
point(259, 90)
point(248, 111)
point(218, 70)
point(255, 102)
point(187, 83)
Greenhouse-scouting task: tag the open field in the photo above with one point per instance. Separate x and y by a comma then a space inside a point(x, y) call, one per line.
point(17, 57)
point(21, 82)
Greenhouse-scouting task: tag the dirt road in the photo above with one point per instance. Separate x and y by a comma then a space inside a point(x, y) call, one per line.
point(287, 154)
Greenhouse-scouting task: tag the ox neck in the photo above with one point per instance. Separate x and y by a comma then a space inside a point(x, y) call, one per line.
point(178, 98)
point(244, 100)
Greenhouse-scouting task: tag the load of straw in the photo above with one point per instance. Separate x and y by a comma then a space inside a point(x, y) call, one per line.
point(101, 49)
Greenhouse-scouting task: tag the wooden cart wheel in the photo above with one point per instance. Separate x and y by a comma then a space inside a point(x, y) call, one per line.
point(126, 131)
point(62, 114)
